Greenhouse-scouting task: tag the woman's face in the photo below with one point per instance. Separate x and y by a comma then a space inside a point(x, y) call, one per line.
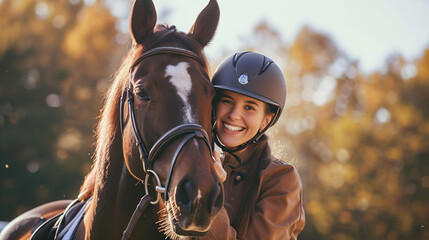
point(239, 118)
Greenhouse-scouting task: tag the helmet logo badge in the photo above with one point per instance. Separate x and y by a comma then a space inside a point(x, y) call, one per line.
point(243, 79)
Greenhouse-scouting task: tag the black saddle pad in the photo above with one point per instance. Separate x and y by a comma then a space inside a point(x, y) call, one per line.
point(45, 230)
point(49, 228)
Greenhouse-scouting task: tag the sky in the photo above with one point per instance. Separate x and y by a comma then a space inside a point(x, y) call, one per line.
point(366, 30)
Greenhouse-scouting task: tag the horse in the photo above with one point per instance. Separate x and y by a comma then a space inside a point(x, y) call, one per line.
point(153, 142)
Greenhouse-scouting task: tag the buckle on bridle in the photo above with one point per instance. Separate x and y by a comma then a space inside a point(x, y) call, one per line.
point(158, 188)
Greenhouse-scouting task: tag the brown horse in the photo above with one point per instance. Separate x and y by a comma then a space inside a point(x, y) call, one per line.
point(152, 139)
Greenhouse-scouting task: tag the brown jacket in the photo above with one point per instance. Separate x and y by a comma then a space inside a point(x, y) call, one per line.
point(276, 190)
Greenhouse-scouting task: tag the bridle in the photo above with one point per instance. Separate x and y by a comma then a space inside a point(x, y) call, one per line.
point(187, 130)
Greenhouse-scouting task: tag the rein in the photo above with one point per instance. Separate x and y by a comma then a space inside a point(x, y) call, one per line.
point(188, 131)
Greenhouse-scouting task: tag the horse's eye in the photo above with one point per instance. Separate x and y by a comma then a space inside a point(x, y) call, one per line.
point(143, 94)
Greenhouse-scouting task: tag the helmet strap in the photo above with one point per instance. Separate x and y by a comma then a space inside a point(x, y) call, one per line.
point(230, 151)
point(238, 148)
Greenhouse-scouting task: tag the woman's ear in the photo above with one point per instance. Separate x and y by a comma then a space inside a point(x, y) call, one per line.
point(267, 119)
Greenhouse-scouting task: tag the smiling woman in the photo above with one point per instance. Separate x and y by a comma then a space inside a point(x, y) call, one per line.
point(262, 194)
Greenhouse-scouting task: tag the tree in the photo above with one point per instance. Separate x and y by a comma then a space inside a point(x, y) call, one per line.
point(53, 61)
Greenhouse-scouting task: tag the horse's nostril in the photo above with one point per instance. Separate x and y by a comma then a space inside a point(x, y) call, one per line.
point(184, 195)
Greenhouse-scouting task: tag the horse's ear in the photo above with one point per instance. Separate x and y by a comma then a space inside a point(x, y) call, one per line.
point(205, 26)
point(143, 20)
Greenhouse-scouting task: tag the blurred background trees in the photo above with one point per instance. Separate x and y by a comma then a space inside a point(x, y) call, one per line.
point(55, 59)
point(360, 140)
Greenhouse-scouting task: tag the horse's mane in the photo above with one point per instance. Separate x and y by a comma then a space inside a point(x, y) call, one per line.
point(108, 126)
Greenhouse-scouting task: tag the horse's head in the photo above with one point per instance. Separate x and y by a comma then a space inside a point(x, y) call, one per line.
point(167, 117)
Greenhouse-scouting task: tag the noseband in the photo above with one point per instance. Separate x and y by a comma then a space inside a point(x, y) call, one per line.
point(187, 131)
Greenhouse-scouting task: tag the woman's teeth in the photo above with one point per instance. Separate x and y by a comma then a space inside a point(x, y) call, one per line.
point(232, 128)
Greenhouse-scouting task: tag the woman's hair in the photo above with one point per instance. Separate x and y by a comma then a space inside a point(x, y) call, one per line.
point(269, 108)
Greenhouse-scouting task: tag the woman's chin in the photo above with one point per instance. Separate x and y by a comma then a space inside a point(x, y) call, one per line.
point(231, 143)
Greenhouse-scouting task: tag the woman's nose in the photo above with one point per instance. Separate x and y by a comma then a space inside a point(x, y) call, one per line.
point(235, 113)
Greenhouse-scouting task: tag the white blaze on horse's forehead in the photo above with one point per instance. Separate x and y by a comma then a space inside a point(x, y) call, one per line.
point(181, 79)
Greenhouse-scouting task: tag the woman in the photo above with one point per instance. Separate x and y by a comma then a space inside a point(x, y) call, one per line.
point(262, 194)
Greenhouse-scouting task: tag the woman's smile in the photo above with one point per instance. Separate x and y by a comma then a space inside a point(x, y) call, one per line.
point(232, 128)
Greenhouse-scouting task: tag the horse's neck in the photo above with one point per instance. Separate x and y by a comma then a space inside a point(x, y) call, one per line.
point(115, 202)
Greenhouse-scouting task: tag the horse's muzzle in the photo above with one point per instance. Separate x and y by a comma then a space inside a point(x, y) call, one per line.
point(197, 207)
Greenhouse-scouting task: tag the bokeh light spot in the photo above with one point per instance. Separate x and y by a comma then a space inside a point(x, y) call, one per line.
point(71, 140)
point(382, 116)
point(33, 167)
point(89, 2)
point(53, 100)
point(408, 71)
point(33, 77)
point(343, 155)
point(74, 2)
point(42, 10)
point(322, 94)
point(59, 21)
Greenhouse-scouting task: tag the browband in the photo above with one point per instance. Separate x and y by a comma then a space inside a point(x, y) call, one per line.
point(168, 50)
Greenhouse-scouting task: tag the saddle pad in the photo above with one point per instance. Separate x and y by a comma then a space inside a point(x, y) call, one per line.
point(72, 222)
point(45, 229)
point(64, 225)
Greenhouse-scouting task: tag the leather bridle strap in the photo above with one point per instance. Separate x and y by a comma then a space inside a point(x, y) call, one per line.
point(173, 133)
point(168, 50)
point(144, 156)
point(144, 201)
point(190, 131)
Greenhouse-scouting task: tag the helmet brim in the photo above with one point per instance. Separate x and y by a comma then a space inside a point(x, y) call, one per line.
point(247, 93)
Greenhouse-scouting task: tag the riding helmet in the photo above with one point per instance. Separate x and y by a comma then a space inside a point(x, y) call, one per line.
point(253, 75)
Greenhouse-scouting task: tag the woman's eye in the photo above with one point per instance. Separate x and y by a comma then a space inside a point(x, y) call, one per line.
point(227, 101)
point(249, 108)
point(142, 94)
